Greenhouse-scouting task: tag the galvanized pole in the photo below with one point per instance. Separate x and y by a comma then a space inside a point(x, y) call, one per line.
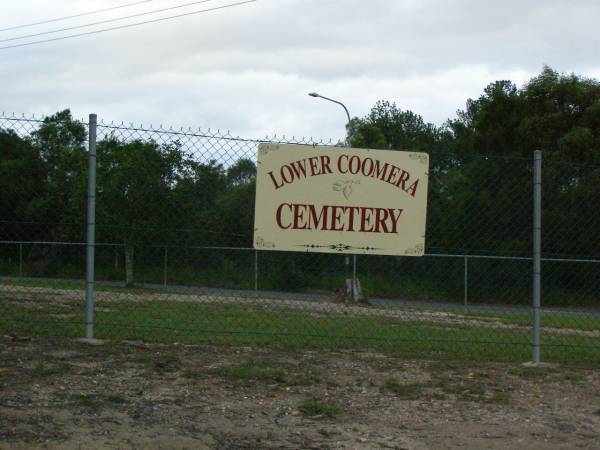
point(91, 229)
point(537, 251)
point(20, 259)
point(466, 282)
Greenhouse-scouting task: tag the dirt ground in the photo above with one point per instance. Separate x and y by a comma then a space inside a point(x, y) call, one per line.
point(61, 393)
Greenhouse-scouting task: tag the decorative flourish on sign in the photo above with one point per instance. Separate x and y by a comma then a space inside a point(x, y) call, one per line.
point(420, 156)
point(338, 247)
point(260, 242)
point(345, 187)
point(416, 250)
point(266, 148)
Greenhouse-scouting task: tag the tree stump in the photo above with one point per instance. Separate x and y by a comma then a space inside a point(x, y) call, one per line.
point(354, 291)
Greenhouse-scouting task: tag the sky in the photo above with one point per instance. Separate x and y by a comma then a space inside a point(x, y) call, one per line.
point(248, 68)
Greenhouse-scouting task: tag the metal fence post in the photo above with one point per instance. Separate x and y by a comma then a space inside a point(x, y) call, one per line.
point(466, 282)
point(537, 250)
point(91, 229)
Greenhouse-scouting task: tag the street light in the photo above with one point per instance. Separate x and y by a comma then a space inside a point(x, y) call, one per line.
point(314, 94)
point(355, 291)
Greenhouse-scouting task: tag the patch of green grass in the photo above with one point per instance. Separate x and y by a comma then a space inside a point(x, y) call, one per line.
point(436, 368)
point(530, 373)
point(166, 363)
point(554, 319)
point(465, 382)
point(314, 407)
point(192, 373)
point(406, 391)
point(462, 389)
point(574, 377)
point(252, 372)
point(116, 399)
point(265, 372)
point(87, 400)
point(471, 392)
point(500, 397)
point(8, 376)
point(90, 400)
point(96, 401)
point(42, 369)
point(292, 329)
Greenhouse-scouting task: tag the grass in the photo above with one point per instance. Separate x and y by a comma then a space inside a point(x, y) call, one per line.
point(406, 391)
point(43, 370)
point(95, 401)
point(262, 371)
point(166, 363)
point(315, 407)
point(466, 382)
point(238, 324)
point(73, 284)
point(252, 371)
point(556, 319)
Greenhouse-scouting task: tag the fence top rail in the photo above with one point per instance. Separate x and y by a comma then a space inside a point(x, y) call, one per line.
point(60, 243)
point(211, 134)
point(196, 247)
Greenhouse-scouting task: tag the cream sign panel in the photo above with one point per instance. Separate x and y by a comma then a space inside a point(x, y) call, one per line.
point(333, 199)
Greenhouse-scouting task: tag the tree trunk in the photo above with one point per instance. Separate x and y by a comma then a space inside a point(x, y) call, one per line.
point(129, 265)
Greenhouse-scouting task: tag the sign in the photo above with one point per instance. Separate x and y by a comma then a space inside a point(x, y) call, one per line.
point(340, 200)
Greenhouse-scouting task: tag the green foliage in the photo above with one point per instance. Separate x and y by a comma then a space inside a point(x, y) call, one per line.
point(153, 194)
point(19, 194)
point(245, 324)
point(315, 407)
point(388, 127)
point(556, 113)
point(406, 391)
point(242, 172)
point(60, 143)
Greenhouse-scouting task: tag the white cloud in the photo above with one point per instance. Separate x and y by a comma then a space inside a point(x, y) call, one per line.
point(249, 68)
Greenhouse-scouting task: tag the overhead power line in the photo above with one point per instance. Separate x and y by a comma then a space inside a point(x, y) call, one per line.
point(128, 25)
point(89, 13)
point(102, 22)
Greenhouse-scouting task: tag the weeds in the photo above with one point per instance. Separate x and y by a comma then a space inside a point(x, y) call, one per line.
point(314, 407)
point(264, 372)
point(407, 391)
point(166, 364)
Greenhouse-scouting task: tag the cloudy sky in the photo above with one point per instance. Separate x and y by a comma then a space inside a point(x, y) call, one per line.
point(248, 68)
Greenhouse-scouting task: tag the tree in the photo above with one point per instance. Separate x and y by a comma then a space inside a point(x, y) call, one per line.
point(242, 172)
point(60, 144)
point(195, 197)
point(22, 187)
point(134, 184)
point(388, 127)
point(488, 125)
point(559, 114)
point(556, 113)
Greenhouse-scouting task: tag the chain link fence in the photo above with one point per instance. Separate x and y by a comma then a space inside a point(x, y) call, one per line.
point(174, 258)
